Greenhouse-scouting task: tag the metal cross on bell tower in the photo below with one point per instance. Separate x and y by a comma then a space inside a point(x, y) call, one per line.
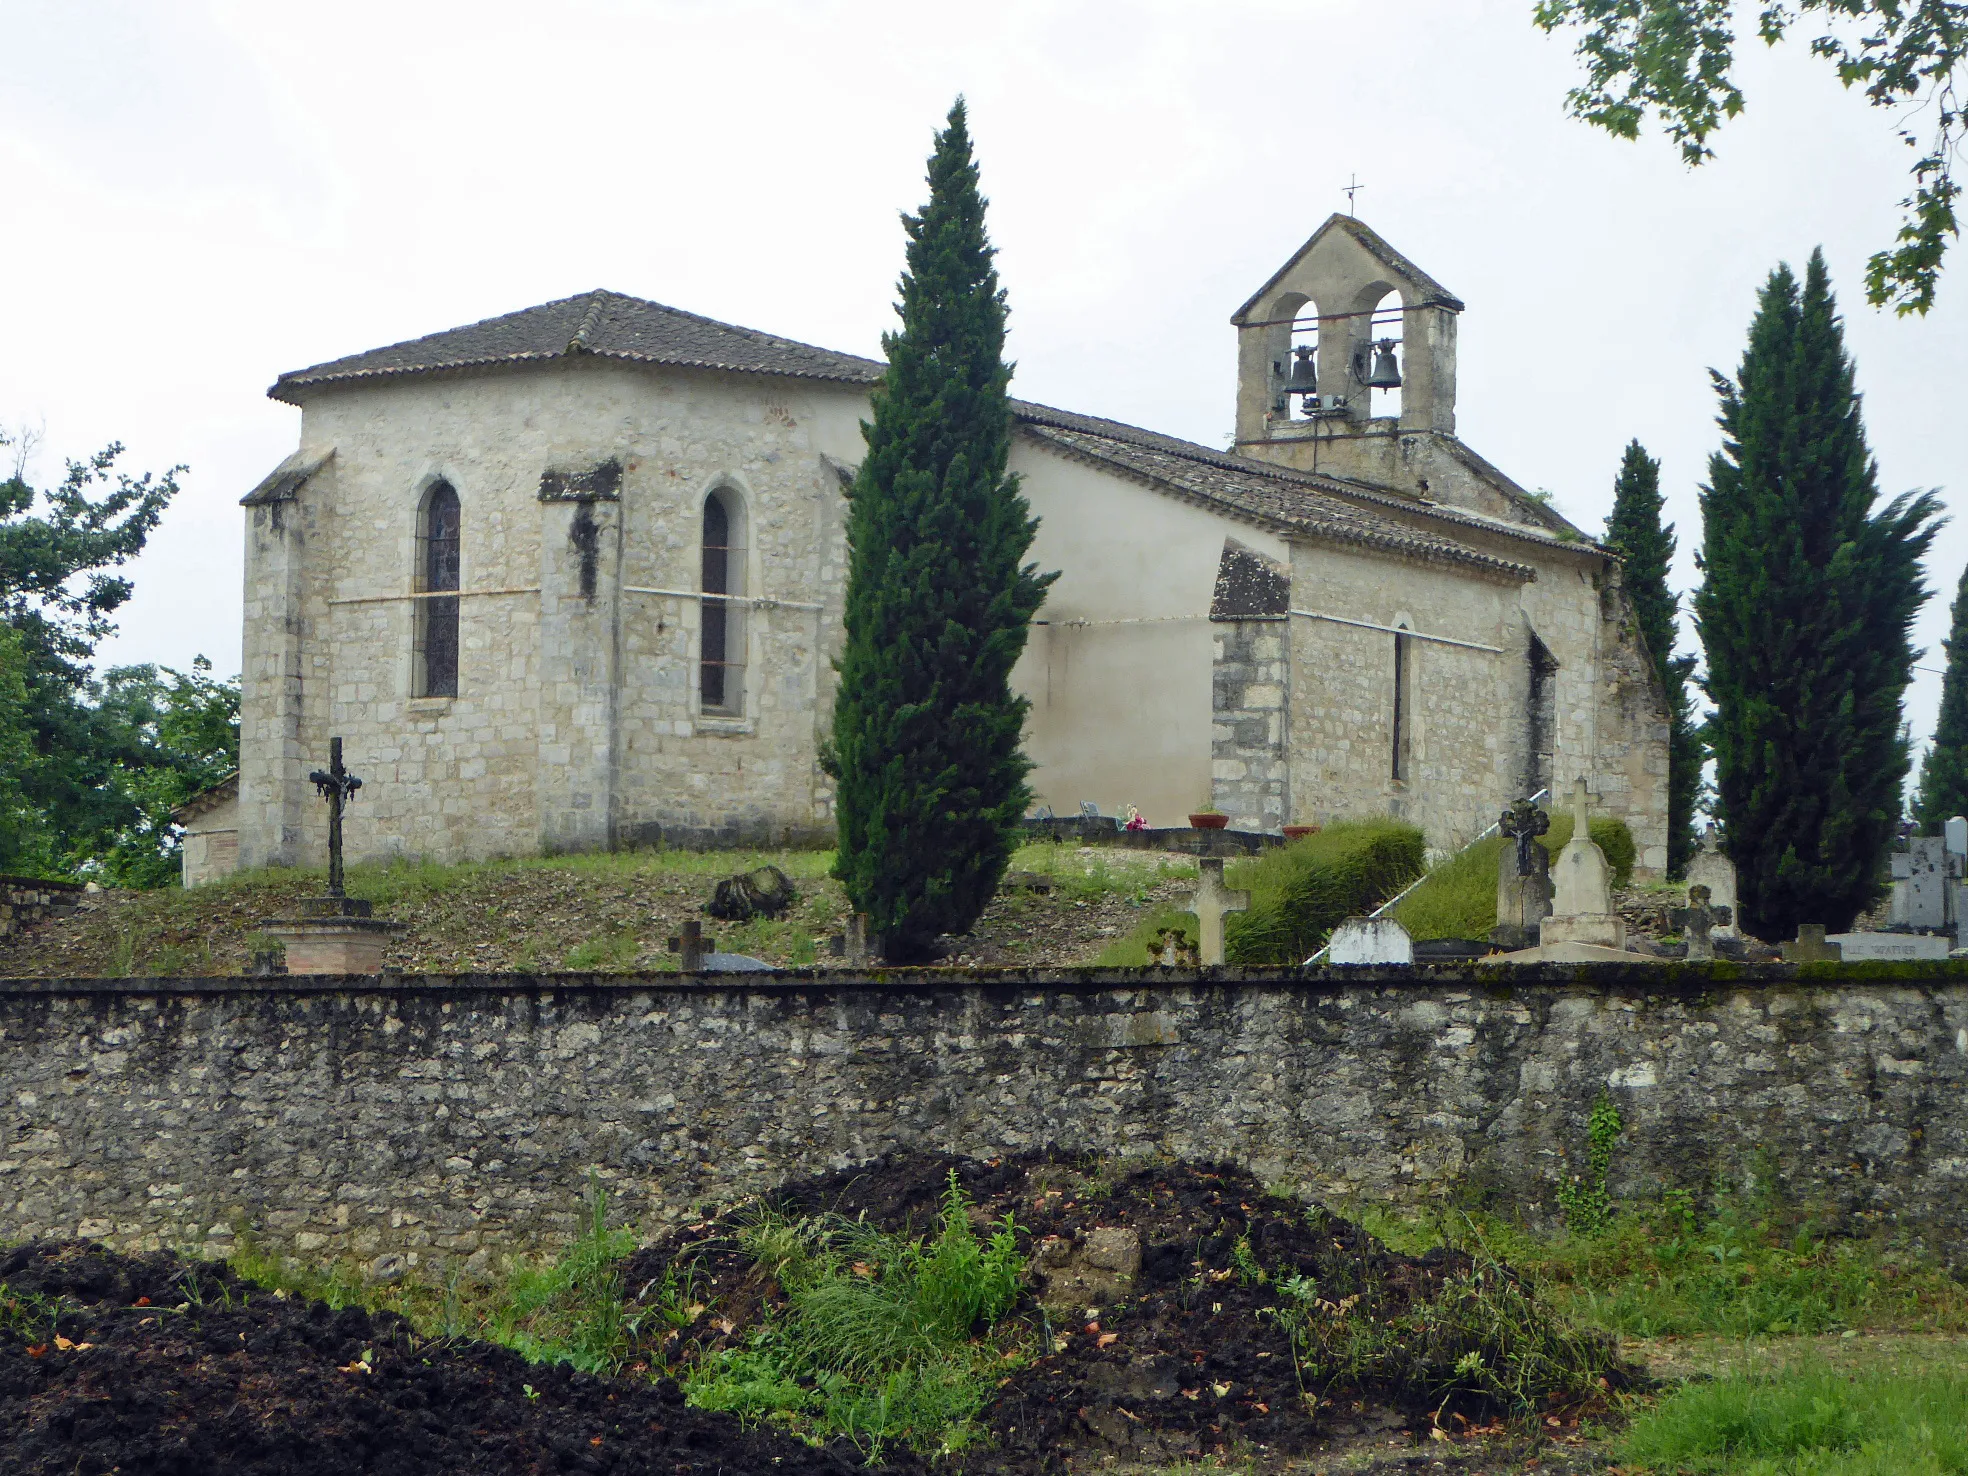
point(338, 786)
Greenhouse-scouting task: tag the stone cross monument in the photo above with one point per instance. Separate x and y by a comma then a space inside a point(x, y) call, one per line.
point(1697, 921)
point(1582, 886)
point(1711, 869)
point(334, 934)
point(1211, 902)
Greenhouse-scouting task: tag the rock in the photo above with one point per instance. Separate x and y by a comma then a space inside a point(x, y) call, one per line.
point(766, 892)
point(1096, 1271)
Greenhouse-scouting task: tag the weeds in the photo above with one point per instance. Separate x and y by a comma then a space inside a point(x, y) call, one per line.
point(877, 1340)
point(1583, 1201)
point(571, 1309)
point(1483, 1335)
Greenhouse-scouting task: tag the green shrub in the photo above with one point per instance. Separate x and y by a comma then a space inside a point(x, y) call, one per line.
point(1302, 891)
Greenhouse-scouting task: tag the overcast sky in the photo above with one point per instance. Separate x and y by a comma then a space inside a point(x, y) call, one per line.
point(201, 194)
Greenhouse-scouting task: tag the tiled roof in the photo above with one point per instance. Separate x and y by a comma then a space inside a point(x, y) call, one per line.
point(1270, 496)
point(615, 326)
point(607, 325)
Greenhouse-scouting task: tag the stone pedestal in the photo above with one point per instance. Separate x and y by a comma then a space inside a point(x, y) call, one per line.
point(1600, 929)
point(333, 935)
point(1522, 901)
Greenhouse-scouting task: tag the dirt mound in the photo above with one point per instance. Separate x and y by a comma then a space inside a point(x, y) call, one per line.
point(1158, 1297)
point(156, 1365)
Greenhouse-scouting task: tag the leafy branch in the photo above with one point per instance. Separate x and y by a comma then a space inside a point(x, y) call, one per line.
point(1673, 59)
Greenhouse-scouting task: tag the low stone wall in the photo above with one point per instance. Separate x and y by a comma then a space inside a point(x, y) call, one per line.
point(26, 900)
point(461, 1117)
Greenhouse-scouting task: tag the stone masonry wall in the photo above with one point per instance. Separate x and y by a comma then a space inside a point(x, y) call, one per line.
point(431, 1119)
point(1250, 700)
point(26, 900)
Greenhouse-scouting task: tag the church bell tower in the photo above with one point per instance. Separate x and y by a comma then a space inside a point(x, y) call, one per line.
point(1326, 345)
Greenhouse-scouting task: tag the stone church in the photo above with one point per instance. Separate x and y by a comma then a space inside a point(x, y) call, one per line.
point(571, 578)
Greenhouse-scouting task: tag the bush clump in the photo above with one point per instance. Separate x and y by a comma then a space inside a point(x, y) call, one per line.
point(1302, 891)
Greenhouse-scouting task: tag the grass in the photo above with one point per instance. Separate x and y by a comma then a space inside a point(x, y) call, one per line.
point(568, 1308)
point(1458, 898)
point(601, 912)
point(1742, 1267)
point(1888, 1421)
point(877, 1338)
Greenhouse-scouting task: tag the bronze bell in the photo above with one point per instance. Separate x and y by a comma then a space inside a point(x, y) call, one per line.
point(1386, 373)
point(1304, 373)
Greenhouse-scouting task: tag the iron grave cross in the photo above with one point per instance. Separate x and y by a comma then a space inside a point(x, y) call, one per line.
point(338, 786)
point(1526, 822)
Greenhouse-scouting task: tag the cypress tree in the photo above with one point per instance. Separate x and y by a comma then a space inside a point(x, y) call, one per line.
point(1804, 614)
point(925, 747)
point(1944, 772)
point(1646, 546)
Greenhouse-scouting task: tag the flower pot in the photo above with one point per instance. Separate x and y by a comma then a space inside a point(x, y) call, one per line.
point(1209, 822)
point(1299, 832)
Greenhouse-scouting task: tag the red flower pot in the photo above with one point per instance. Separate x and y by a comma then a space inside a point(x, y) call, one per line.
point(1209, 822)
point(1299, 832)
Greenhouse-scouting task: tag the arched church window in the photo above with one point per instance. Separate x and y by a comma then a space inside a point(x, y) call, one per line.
point(721, 654)
point(1403, 703)
point(1541, 743)
point(436, 656)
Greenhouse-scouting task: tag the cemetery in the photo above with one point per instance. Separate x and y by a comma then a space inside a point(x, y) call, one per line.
point(755, 908)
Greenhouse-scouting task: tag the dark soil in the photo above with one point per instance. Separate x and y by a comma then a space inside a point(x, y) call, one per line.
point(156, 1365)
point(1188, 1364)
point(152, 1364)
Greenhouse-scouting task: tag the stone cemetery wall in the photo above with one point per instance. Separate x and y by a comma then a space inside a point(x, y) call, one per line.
point(402, 1121)
point(26, 900)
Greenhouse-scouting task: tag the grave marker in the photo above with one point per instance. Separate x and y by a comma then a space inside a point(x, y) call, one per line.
point(1210, 904)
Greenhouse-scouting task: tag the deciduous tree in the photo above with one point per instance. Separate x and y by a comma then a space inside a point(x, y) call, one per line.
point(1675, 59)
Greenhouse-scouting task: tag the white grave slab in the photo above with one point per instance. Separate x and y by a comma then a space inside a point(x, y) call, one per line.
point(1370, 940)
point(1858, 947)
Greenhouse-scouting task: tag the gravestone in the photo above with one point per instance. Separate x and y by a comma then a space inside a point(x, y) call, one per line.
point(335, 934)
point(1711, 869)
point(1523, 877)
point(1697, 922)
point(1922, 877)
point(1811, 946)
point(1370, 940)
point(691, 947)
point(1582, 888)
point(1862, 947)
point(1210, 904)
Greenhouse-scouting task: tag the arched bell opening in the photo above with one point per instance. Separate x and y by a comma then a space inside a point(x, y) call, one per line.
point(1378, 353)
point(1301, 364)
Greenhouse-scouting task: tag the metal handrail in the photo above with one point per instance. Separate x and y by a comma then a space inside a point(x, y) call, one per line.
point(1391, 902)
